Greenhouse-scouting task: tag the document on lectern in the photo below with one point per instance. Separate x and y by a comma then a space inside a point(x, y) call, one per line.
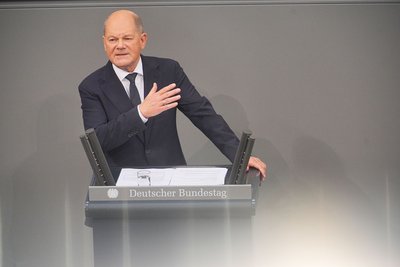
point(172, 176)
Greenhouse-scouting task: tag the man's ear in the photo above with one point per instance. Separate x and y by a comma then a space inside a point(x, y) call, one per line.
point(143, 40)
point(104, 42)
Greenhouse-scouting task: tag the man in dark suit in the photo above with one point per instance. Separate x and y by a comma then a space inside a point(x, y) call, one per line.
point(131, 102)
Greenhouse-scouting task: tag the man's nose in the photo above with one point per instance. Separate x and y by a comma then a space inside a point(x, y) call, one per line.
point(120, 44)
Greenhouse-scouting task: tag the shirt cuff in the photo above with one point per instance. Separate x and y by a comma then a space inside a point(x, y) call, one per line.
point(144, 119)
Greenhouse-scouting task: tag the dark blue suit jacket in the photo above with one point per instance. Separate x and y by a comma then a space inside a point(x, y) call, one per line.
point(126, 140)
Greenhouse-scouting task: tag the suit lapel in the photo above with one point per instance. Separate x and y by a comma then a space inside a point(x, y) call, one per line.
point(151, 75)
point(150, 72)
point(114, 90)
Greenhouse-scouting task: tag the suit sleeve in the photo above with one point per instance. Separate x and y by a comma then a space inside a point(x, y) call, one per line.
point(201, 113)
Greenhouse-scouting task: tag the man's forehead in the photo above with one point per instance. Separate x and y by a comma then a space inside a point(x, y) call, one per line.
point(120, 29)
point(119, 33)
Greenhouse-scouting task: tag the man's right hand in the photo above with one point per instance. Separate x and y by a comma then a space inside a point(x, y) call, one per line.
point(159, 101)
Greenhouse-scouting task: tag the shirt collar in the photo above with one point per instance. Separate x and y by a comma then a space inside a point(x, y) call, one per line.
point(122, 73)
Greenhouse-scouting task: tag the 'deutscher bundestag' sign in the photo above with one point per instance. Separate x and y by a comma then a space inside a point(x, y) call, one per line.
point(222, 192)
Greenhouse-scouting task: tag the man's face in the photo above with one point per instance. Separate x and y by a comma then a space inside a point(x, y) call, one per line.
point(123, 42)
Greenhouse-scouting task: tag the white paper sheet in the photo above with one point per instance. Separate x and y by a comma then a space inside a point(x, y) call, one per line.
point(199, 176)
point(172, 176)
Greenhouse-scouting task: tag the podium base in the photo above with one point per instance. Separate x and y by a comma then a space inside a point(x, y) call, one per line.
point(173, 242)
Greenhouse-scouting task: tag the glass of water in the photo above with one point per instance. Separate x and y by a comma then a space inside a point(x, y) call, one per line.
point(144, 178)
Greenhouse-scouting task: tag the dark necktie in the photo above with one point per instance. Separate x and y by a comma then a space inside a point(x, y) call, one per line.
point(133, 91)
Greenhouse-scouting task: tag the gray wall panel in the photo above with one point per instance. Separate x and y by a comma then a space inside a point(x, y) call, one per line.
point(317, 84)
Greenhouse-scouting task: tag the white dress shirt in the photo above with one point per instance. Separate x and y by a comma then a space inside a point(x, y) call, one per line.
point(139, 82)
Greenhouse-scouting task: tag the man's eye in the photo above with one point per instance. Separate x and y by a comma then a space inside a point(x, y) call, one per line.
point(112, 40)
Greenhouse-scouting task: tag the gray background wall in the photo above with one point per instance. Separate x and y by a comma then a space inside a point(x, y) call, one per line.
point(318, 84)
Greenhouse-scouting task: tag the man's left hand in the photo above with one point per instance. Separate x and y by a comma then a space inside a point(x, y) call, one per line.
point(257, 163)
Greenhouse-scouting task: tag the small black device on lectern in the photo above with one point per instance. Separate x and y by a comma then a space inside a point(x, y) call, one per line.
point(96, 158)
point(243, 153)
